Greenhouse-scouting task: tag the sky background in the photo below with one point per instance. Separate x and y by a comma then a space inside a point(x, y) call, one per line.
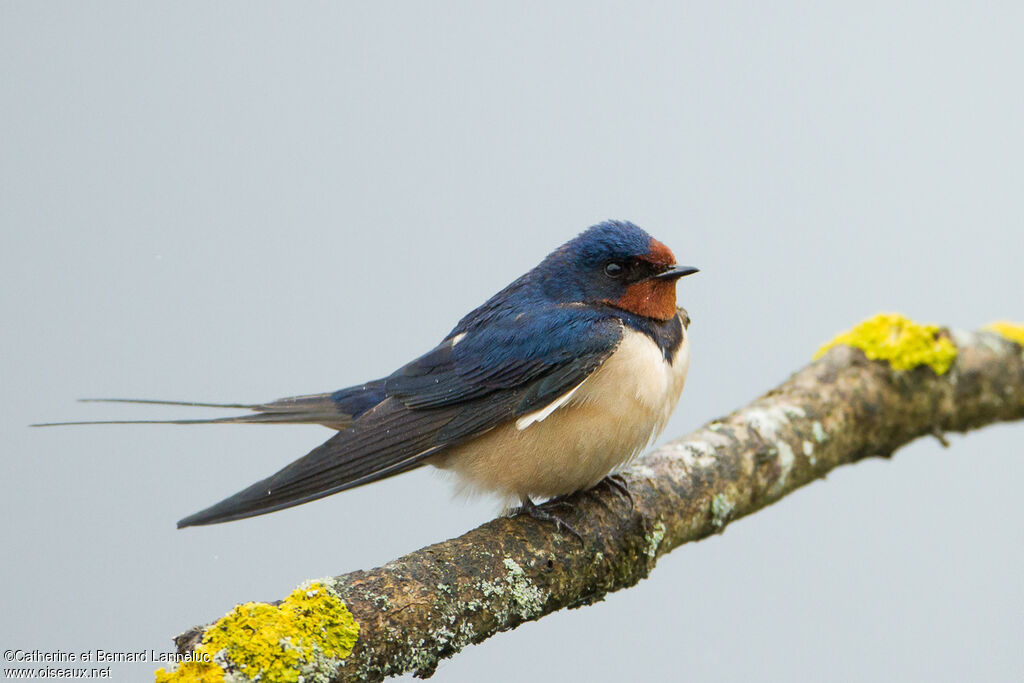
point(242, 201)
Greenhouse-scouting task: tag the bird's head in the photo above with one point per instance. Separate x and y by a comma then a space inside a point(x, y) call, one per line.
point(618, 264)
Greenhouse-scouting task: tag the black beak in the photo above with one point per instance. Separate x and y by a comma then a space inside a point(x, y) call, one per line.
point(674, 273)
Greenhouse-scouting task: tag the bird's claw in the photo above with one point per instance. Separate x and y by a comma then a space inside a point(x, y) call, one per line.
point(616, 483)
point(539, 513)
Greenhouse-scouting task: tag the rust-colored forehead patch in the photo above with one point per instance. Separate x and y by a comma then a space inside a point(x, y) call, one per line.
point(659, 254)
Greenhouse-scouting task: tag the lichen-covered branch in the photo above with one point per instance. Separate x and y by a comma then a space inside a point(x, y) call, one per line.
point(431, 603)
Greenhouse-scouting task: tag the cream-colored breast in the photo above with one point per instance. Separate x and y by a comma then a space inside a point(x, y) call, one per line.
point(583, 435)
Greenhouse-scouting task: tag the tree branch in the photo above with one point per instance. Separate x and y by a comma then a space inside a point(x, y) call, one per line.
point(431, 603)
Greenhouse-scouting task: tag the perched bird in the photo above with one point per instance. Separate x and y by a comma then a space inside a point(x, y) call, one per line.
point(545, 389)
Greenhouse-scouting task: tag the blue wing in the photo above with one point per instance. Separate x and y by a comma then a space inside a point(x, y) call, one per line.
point(480, 376)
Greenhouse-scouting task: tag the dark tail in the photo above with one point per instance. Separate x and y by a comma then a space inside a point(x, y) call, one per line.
point(312, 409)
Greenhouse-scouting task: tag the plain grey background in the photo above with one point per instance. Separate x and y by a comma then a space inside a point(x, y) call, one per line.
point(241, 201)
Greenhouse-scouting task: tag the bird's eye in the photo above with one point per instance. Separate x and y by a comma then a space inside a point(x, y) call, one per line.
point(614, 269)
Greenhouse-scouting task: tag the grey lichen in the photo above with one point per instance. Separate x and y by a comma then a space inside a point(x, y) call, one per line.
point(528, 599)
point(525, 599)
point(459, 638)
point(809, 452)
point(721, 510)
point(786, 460)
point(819, 432)
point(653, 539)
point(770, 421)
point(423, 654)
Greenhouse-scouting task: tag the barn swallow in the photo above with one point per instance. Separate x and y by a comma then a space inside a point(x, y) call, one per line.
point(544, 390)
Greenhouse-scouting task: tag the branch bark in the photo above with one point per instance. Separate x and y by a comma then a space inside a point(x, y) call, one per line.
point(431, 603)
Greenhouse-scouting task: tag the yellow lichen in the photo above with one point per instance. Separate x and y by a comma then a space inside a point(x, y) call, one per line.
point(900, 341)
point(1012, 331)
point(274, 644)
point(192, 672)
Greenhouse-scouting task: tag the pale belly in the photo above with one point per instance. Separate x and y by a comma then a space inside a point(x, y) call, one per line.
point(608, 419)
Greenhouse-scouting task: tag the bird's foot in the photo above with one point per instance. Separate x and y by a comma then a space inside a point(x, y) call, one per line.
point(539, 513)
point(616, 483)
